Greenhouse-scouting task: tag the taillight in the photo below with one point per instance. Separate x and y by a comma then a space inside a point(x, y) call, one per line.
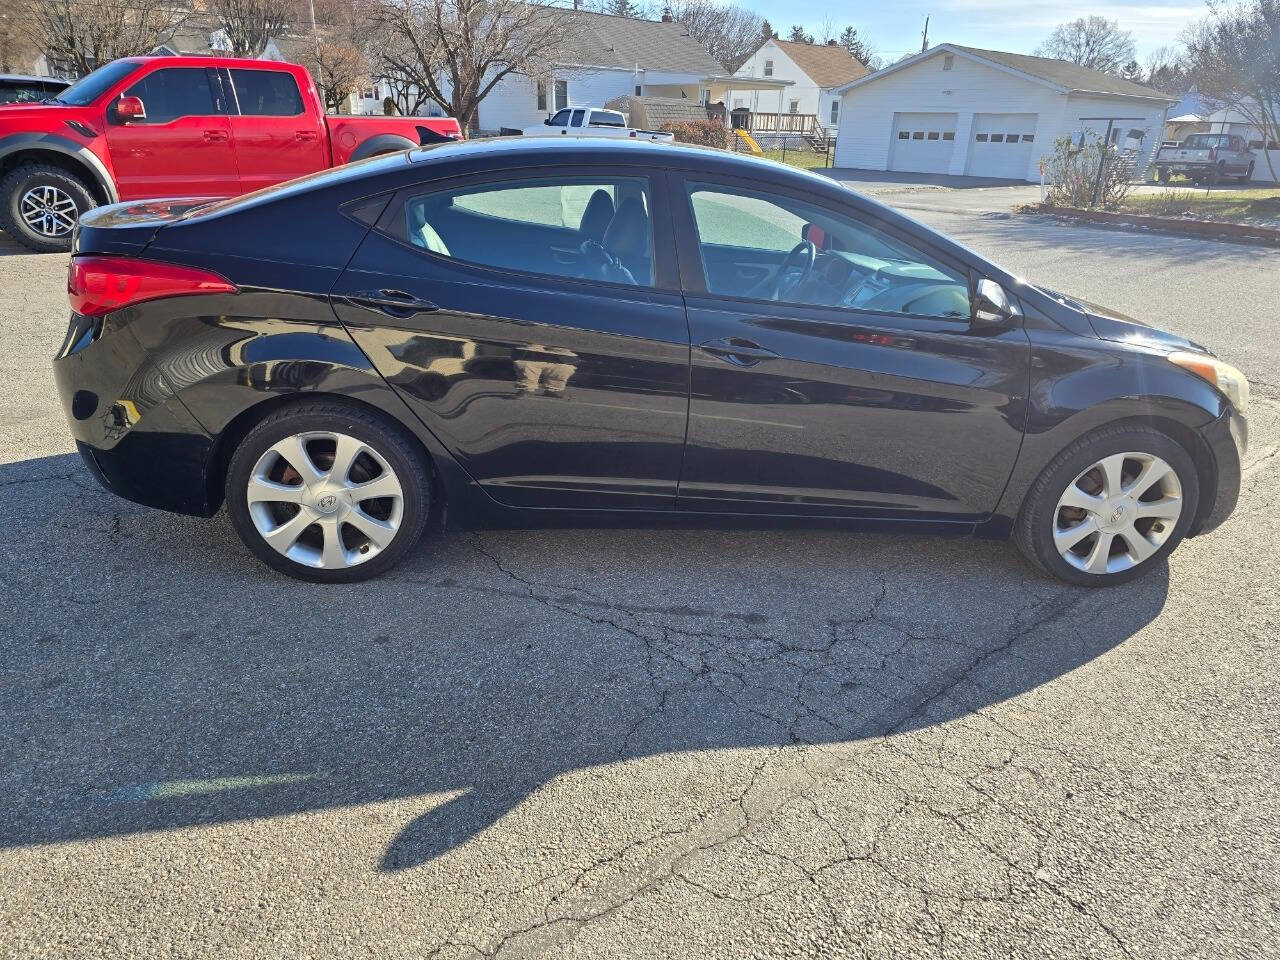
point(98, 285)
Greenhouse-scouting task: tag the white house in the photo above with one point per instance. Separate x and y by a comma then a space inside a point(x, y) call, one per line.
point(963, 111)
point(813, 72)
point(605, 57)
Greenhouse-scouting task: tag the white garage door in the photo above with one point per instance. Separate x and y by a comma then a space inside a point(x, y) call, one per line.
point(922, 142)
point(1002, 145)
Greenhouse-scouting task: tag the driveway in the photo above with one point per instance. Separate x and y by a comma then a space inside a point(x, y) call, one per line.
point(642, 743)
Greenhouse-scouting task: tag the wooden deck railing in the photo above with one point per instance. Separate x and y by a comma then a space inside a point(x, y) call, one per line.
point(801, 123)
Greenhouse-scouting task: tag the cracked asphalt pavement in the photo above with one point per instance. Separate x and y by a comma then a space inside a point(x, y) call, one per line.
point(643, 743)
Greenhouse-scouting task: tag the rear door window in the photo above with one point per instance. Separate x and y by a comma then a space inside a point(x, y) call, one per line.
point(596, 228)
point(266, 93)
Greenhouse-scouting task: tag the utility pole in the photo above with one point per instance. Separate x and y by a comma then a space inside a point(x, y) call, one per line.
point(316, 36)
point(924, 37)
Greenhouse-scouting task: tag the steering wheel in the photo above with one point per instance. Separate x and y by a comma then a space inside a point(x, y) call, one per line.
point(799, 262)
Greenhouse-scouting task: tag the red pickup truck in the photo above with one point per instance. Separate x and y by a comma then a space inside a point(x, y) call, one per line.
point(150, 127)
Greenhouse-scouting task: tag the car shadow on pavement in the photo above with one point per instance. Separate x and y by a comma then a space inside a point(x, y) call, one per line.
point(154, 676)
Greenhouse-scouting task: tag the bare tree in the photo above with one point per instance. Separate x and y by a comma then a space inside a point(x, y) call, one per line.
point(1233, 57)
point(16, 49)
point(249, 25)
point(730, 33)
point(1094, 42)
point(456, 51)
point(1166, 70)
point(81, 36)
point(339, 68)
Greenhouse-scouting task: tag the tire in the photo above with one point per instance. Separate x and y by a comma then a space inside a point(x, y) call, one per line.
point(1073, 473)
point(35, 186)
point(1248, 174)
point(330, 548)
point(1163, 175)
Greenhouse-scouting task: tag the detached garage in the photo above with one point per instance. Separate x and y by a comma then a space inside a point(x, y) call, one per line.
point(984, 113)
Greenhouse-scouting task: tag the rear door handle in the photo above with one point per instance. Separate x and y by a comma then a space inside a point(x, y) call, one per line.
point(394, 303)
point(215, 136)
point(739, 351)
point(306, 136)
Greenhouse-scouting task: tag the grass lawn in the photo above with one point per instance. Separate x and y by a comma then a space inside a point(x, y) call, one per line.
point(798, 158)
point(1233, 205)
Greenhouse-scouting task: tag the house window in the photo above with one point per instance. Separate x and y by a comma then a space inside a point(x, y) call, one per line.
point(948, 61)
point(794, 107)
point(637, 89)
point(904, 135)
point(1010, 138)
point(933, 134)
point(835, 112)
point(997, 138)
point(739, 102)
point(949, 135)
point(1028, 138)
point(562, 94)
point(918, 135)
point(542, 96)
point(768, 68)
point(982, 138)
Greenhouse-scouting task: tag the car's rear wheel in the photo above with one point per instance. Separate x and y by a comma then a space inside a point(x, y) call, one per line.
point(1248, 174)
point(1110, 507)
point(327, 492)
point(40, 204)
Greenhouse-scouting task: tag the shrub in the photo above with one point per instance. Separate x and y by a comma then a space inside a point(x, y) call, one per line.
point(708, 133)
point(1072, 174)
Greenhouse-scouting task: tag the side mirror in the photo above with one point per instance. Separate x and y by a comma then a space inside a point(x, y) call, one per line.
point(129, 109)
point(991, 305)
point(546, 122)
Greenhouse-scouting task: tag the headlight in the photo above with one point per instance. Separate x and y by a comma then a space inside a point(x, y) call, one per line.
point(1222, 375)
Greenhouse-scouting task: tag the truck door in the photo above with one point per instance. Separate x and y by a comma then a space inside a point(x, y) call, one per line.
point(276, 137)
point(182, 147)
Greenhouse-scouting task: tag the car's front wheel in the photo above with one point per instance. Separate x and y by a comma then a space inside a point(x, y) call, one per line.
point(40, 204)
point(1110, 507)
point(327, 492)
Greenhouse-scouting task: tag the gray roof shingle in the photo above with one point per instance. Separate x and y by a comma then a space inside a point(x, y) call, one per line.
point(1074, 77)
point(603, 40)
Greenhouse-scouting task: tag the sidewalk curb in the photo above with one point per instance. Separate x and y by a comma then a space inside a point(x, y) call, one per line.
point(1208, 229)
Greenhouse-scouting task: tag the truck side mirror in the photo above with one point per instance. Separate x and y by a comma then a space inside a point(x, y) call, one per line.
point(546, 122)
point(130, 109)
point(991, 305)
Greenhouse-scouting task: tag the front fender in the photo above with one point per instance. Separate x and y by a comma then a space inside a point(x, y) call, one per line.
point(66, 149)
point(1077, 390)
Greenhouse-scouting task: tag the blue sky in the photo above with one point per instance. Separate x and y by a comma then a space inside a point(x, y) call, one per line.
point(1015, 25)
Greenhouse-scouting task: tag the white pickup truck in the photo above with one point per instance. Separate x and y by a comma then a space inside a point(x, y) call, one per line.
point(594, 122)
point(1210, 157)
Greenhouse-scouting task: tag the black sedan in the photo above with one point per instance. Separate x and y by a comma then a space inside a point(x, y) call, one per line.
point(593, 332)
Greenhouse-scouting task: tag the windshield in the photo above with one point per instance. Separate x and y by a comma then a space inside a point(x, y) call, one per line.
point(1203, 141)
point(84, 92)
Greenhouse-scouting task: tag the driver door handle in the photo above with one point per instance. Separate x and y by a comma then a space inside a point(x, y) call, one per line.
point(739, 351)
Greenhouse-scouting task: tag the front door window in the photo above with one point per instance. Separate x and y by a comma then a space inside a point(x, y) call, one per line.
point(775, 248)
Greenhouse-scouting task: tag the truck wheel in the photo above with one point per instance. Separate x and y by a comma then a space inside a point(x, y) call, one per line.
point(1248, 174)
point(1163, 175)
point(40, 204)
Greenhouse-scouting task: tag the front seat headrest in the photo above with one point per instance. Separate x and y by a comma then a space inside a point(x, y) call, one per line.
point(628, 233)
point(596, 218)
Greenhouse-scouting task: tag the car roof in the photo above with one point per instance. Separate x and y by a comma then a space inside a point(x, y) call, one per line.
point(218, 61)
point(26, 78)
point(543, 150)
